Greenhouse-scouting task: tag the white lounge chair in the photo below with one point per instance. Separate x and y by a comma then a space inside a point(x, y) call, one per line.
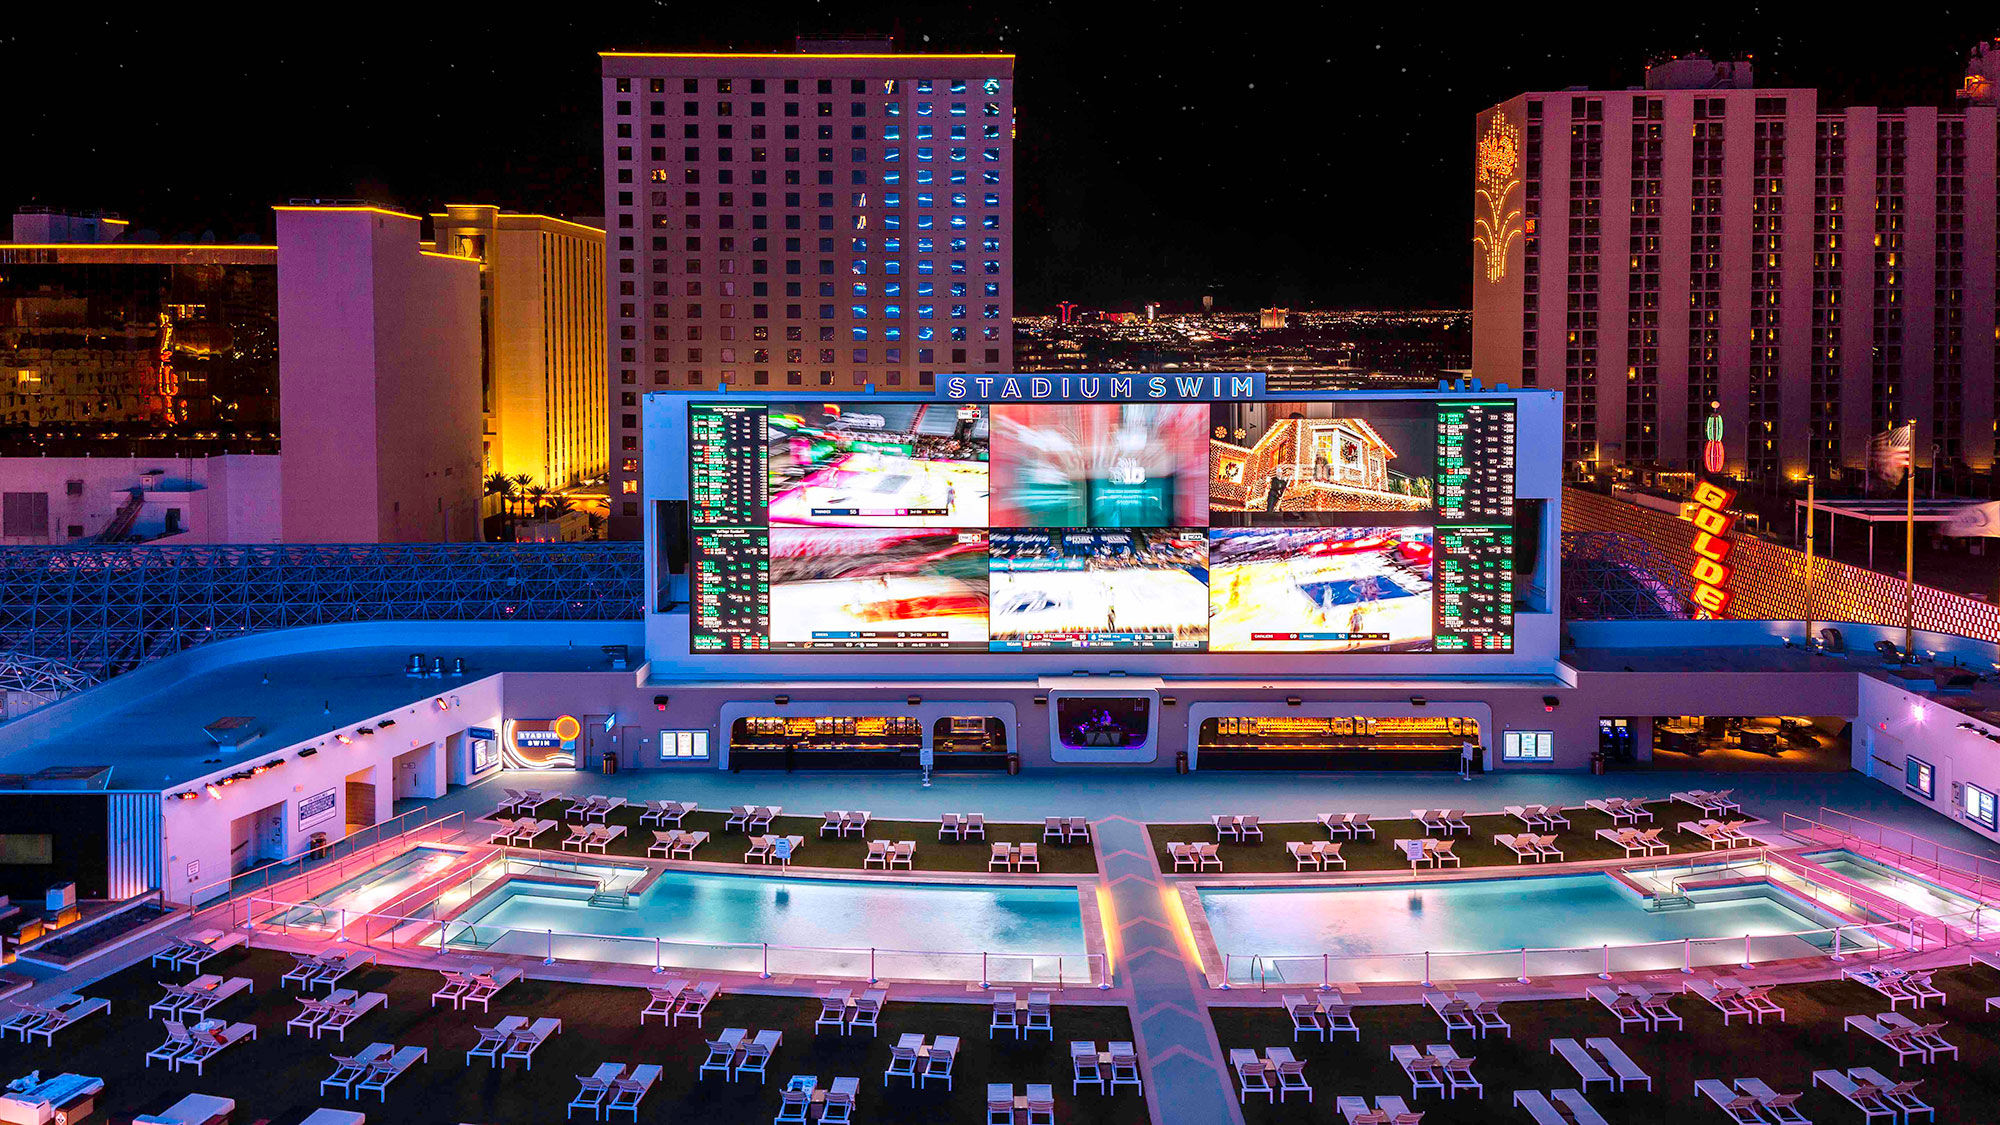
point(1864, 1096)
point(939, 1063)
point(1005, 1017)
point(486, 986)
point(867, 1011)
point(1357, 1111)
point(1084, 1065)
point(339, 1017)
point(349, 1069)
point(1925, 1035)
point(1485, 1015)
point(1588, 1069)
point(1423, 1071)
point(1523, 846)
point(1623, 1069)
point(1456, 1069)
point(757, 1054)
point(1291, 1072)
point(493, 1040)
point(67, 1011)
point(1250, 1076)
point(386, 1071)
point(1540, 1110)
point(1621, 1004)
point(660, 1001)
point(903, 1058)
point(1780, 1108)
point(629, 1091)
point(1305, 1017)
point(722, 1051)
point(694, 1003)
point(1900, 1094)
point(1897, 1041)
point(594, 1089)
point(206, 1045)
point(840, 1097)
point(1741, 1108)
point(523, 1044)
point(1727, 1000)
point(1456, 1015)
point(1577, 1107)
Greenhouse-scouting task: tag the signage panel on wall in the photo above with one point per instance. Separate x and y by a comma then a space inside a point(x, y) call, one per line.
point(317, 807)
point(484, 743)
point(542, 744)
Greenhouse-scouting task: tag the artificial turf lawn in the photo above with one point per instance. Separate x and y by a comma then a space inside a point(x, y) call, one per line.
point(1578, 842)
point(278, 1077)
point(933, 854)
point(1782, 1054)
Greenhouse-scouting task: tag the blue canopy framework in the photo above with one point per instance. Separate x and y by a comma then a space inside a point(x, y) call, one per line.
point(1614, 576)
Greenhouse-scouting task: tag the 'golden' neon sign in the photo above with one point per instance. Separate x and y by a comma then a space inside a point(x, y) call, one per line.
point(1712, 522)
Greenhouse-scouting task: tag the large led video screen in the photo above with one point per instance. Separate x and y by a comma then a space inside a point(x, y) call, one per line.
point(1370, 524)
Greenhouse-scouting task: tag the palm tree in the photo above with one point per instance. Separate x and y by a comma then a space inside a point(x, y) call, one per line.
point(538, 495)
point(521, 483)
point(559, 506)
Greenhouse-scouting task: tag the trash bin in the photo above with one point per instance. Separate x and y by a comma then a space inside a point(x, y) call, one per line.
point(317, 846)
point(609, 762)
point(1180, 761)
point(1597, 762)
point(1013, 763)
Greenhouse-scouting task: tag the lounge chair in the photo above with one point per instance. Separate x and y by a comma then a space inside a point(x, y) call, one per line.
point(757, 1055)
point(1919, 984)
point(999, 1104)
point(658, 813)
point(1782, 1108)
point(1546, 849)
point(867, 1011)
point(1084, 1065)
point(1900, 1094)
point(1041, 1015)
point(1456, 1069)
point(454, 986)
point(1759, 1001)
point(1523, 846)
point(1621, 1004)
point(1658, 1007)
point(1530, 815)
point(1588, 1069)
point(1432, 819)
point(580, 808)
point(975, 825)
point(857, 825)
point(903, 1058)
point(878, 855)
point(331, 968)
point(1250, 1076)
point(1337, 824)
point(759, 850)
point(208, 991)
point(840, 1097)
point(1740, 1107)
point(385, 1071)
point(943, 1056)
point(523, 1044)
point(660, 1000)
point(687, 842)
point(1925, 1035)
point(339, 1017)
point(195, 1109)
point(532, 830)
point(832, 820)
point(794, 1101)
point(1001, 856)
point(1423, 1071)
point(1486, 1015)
point(594, 1089)
point(722, 1051)
point(761, 817)
point(493, 1040)
point(1456, 1016)
point(205, 1045)
point(694, 1003)
point(578, 833)
point(1005, 1017)
point(312, 1011)
point(178, 1043)
point(1578, 1107)
point(1247, 828)
point(1076, 829)
point(1617, 808)
point(602, 836)
point(486, 986)
point(1626, 838)
point(833, 1011)
point(1358, 824)
point(904, 855)
point(1441, 850)
point(1028, 855)
point(175, 995)
point(739, 816)
point(349, 1069)
point(197, 949)
point(1291, 1072)
point(1864, 1096)
point(1054, 828)
point(1454, 821)
point(1041, 1099)
point(1124, 1065)
point(1623, 1069)
point(1897, 1041)
point(1184, 855)
point(663, 844)
point(629, 1091)
point(1395, 1111)
point(1305, 1017)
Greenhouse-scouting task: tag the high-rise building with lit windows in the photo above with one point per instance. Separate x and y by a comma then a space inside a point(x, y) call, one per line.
point(836, 217)
point(1703, 247)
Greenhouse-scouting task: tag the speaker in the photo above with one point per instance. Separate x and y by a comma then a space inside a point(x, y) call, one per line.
point(670, 535)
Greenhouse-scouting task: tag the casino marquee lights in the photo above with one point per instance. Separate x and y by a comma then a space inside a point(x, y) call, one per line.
point(1497, 225)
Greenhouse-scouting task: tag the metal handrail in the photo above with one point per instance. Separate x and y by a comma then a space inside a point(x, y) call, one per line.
point(1971, 871)
point(339, 865)
point(367, 925)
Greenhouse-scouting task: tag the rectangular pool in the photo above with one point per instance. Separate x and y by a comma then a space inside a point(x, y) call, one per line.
point(371, 888)
point(1380, 932)
point(813, 926)
point(1912, 891)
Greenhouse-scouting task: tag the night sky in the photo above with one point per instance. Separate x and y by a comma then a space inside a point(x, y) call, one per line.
point(1258, 152)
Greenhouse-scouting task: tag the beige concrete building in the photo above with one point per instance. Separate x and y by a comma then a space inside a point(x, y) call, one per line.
point(542, 336)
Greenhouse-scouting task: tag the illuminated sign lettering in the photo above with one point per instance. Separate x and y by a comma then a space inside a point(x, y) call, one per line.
point(1233, 387)
point(1710, 515)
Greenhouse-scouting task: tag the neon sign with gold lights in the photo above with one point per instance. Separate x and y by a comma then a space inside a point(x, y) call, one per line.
point(1712, 521)
point(1497, 224)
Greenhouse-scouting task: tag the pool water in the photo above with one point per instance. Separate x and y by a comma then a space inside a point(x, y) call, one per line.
point(723, 921)
point(1921, 894)
point(371, 888)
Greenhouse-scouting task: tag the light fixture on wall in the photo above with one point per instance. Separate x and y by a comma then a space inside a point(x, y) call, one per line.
point(1418, 701)
point(343, 740)
point(214, 790)
point(1294, 701)
point(386, 723)
point(308, 752)
point(914, 700)
point(781, 700)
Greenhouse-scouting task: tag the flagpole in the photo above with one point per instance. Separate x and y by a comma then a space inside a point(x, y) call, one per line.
point(1910, 553)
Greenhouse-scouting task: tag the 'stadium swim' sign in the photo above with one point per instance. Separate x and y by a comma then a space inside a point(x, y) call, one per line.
point(1233, 387)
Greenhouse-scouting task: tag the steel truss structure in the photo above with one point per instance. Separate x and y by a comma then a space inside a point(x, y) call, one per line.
point(101, 610)
point(1612, 576)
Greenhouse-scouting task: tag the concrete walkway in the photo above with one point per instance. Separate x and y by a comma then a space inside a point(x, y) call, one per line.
point(1187, 1082)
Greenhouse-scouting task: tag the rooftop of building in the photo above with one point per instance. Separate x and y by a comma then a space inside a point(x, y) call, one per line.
point(293, 685)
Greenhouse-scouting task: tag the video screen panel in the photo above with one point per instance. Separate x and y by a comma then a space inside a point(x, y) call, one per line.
point(1337, 526)
point(1065, 590)
point(1100, 465)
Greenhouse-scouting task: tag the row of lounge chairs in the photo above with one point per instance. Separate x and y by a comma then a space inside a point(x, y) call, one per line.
point(520, 833)
point(961, 826)
point(372, 1069)
point(1066, 829)
point(1351, 825)
point(1908, 1038)
point(614, 1088)
point(1387, 1110)
point(480, 986)
point(592, 837)
point(886, 854)
point(31, 1021)
point(1558, 1107)
point(1039, 1103)
point(674, 1001)
point(1751, 1101)
point(1538, 816)
point(1438, 1068)
point(325, 969)
point(752, 819)
point(1600, 1059)
point(736, 1052)
point(336, 1013)
point(1719, 833)
point(1527, 845)
point(1321, 1017)
point(196, 997)
point(1036, 1013)
point(1649, 1010)
point(1444, 822)
point(1467, 1011)
point(1437, 853)
point(1196, 856)
point(675, 844)
point(1734, 999)
point(1242, 828)
point(513, 1039)
point(595, 806)
point(1319, 855)
point(195, 950)
point(1620, 809)
point(1114, 1066)
point(842, 822)
point(836, 1102)
point(1898, 986)
point(1643, 841)
point(1717, 803)
point(767, 849)
point(195, 1046)
point(919, 1062)
point(847, 1013)
point(1014, 857)
point(520, 802)
point(1875, 1094)
point(665, 813)
point(1255, 1075)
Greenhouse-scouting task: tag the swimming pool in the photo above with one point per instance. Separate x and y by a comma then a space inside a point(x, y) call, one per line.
point(371, 888)
point(1380, 932)
point(1912, 891)
point(949, 931)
